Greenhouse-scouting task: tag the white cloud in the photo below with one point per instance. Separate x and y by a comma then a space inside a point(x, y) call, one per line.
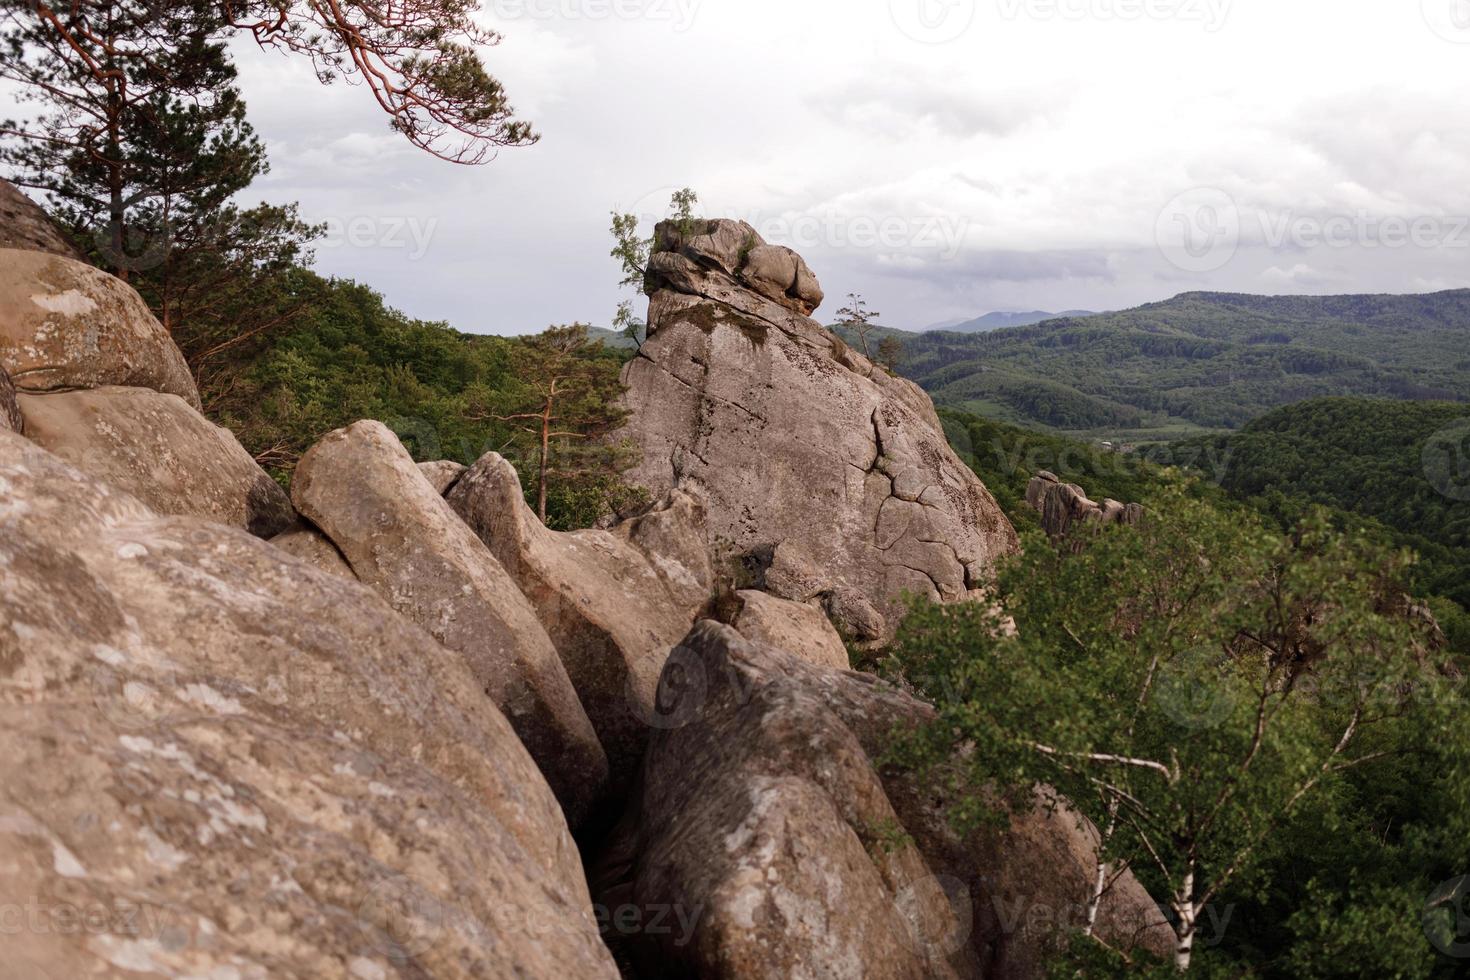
point(1049, 142)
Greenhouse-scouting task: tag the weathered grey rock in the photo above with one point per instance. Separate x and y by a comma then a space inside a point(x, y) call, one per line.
point(163, 452)
point(314, 548)
point(797, 442)
point(442, 474)
point(10, 417)
point(67, 325)
point(762, 822)
point(229, 764)
point(615, 602)
point(23, 225)
point(361, 488)
point(1064, 505)
point(761, 755)
point(736, 250)
point(794, 627)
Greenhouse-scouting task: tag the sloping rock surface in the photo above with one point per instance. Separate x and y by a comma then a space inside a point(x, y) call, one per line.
point(315, 548)
point(362, 489)
point(760, 756)
point(442, 474)
point(23, 225)
point(794, 627)
point(796, 441)
point(163, 452)
point(66, 325)
point(614, 602)
point(218, 762)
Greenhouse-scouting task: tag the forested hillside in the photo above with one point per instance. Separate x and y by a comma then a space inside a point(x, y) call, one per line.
point(1399, 463)
point(1200, 361)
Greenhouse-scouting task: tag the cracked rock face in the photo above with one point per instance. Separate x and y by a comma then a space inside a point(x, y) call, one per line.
point(163, 452)
point(66, 325)
point(228, 764)
point(813, 460)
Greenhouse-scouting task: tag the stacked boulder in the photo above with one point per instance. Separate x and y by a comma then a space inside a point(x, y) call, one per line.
point(99, 382)
point(826, 473)
point(1065, 505)
point(614, 602)
point(236, 765)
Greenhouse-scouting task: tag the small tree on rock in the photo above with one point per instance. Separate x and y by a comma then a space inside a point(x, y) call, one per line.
point(857, 318)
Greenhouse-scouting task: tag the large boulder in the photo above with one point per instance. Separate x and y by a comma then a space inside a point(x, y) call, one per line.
point(797, 441)
point(615, 602)
point(797, 628)
point(160, 450)
point(760, 755)
point(362, 489)
point(65, 325)
point(23, 225)
point(228, 764)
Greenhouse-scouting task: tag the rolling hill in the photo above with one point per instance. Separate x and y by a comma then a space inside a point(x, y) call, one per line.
point(1199, 362)
point(998, 321)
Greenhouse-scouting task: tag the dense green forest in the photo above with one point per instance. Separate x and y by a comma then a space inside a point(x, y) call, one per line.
point(1403, 465)
point(1318, 500)
point(1198, 362)
point(1362, 460)
point(346, 355)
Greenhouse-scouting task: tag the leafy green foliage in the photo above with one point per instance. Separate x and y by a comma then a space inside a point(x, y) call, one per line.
point(1364, 456)
point(1237, 709)
point(349, 356)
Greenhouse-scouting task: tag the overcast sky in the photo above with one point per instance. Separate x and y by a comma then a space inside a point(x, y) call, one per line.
point(944, 158)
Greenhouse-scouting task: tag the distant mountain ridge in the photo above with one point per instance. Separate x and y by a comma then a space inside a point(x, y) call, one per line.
point(1000, 320)
point(1200, 361)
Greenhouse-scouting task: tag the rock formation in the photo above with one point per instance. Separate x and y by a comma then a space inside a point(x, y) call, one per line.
point(796, 628)
point(232, 765)
point(809, 455)
point(615, 603)
point(25, 226)
point(761, 803)
point(314, 548)
point(161, 451)
point(363, 490)
point(442, 474)
point(66, 325)
point(1064, 505)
